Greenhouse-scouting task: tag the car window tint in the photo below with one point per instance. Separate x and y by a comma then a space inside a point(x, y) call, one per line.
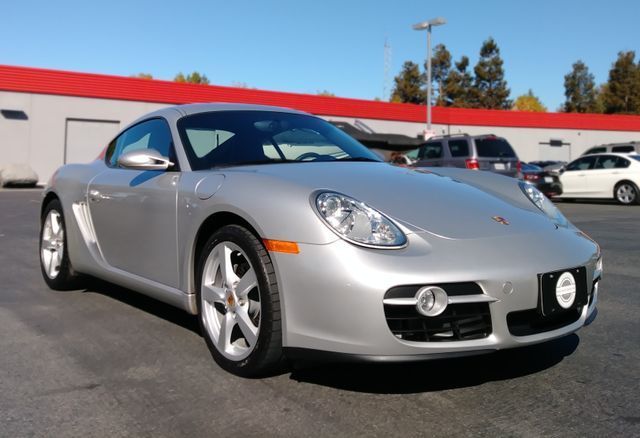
point(584, 163)
point(152, 134)
point(295, 143)
point(598, 150)
point(621, 163)
point(203, 141)
point(623, 149)
point(432, 150)
point(230, 138)
point(494, 147)
point(459, 148)
point(606, 162)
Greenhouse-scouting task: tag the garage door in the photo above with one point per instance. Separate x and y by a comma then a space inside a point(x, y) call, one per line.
point(86, 138)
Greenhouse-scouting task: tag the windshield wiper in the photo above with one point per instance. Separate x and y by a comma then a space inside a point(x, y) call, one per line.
point(373, 160)
point(251, 162)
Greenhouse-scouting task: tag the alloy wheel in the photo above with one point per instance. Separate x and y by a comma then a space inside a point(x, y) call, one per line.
point(230, 301)
point(52, 244)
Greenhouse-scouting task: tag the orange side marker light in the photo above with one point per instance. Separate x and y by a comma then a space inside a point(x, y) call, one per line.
point(281, 246)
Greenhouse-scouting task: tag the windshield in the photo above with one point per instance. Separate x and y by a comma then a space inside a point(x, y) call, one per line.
point(494, 147)
point(229, 138)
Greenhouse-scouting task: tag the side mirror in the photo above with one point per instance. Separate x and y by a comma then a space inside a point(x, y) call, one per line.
point(144, 159)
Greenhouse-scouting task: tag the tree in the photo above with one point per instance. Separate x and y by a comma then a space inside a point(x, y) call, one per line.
point(490, 88)
point(529, 102)
point(408, 85)
point(457, 86)
point(622, 94)
point(192, 78)
point(579, 89)
point(440, 65)
point(143, 76)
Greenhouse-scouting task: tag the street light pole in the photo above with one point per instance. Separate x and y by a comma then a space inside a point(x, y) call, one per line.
point(429, 78)
point(427, 25)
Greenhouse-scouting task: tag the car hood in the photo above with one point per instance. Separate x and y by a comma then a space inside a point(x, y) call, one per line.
point(449, 203)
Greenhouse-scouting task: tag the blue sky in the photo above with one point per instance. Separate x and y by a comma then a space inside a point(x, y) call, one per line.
point(307, 46)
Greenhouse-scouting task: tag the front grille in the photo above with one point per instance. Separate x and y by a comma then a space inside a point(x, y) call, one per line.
point(531, 322)
point(458, 322)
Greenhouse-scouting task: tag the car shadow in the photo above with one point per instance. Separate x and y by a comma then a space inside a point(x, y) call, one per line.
point(144, 303)
point(438, 375)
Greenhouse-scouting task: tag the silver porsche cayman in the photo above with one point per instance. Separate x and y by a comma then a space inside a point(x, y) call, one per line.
point(289, 239)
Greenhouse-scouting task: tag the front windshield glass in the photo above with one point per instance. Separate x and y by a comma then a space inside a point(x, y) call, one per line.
point(231, 138)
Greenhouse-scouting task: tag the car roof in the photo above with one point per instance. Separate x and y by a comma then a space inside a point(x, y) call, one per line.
point(617, 154)
point(178, 111)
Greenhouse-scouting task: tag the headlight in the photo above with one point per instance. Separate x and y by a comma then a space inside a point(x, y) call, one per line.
point(543, 203)
point(357, 222)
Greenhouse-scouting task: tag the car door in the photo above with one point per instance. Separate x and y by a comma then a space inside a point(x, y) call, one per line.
point(134, 211)
point(574, 178)
point(431, 155)
point(607, 172)
point(458, 151)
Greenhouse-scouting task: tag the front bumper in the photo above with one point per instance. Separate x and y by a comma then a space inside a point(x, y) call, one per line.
point(332, 295)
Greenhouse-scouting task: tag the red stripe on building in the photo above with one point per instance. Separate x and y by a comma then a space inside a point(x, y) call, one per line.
point(56, 82)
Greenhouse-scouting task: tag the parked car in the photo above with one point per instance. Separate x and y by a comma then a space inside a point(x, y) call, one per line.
point(614, 176)
point(630, 147)
point(476, 152)
point(547, 182)
point(289, 239)
point(548, 163)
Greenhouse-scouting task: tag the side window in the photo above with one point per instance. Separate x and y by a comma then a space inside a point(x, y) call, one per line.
point(459, 148)
point(584, 163)
point(606, 162)
point(597, 150)
point(431, 151)
point(152, 134)
point(622, 163)
point(623, 149)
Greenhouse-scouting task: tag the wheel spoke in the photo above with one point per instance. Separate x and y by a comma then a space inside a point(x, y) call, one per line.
point(53, 263)
point(226, 327)
point(55, 223)
point(249, 331)
point(226, 267)
point(213, 294)
point(246, 283)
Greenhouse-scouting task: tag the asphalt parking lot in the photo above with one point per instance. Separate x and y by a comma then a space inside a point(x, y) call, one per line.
point(108, 362)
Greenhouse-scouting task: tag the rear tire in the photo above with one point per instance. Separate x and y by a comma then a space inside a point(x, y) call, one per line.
point(626, 193)
point(239, 303)
point(54, 253)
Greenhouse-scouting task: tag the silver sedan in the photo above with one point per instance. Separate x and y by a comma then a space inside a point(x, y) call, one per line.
point(288, 239)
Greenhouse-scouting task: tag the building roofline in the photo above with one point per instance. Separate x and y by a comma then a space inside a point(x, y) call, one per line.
point(91, 85)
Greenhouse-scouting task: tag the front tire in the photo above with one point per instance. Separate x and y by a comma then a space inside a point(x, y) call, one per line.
point(627, 193)
point(239, 303)
point(54, 254)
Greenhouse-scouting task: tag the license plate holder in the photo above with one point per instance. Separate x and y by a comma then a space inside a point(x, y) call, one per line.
point(548, 179)
point(548, 301)
point(499, 166)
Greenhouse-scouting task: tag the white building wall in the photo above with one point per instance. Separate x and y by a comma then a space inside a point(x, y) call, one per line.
point(43, 140)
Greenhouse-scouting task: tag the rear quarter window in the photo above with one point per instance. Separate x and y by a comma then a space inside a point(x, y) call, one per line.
point(494, 147)
point(459, 148)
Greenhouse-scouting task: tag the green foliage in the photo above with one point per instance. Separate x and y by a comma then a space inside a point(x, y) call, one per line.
point(457, 86)
point(143, 76)
point(440, 66)
point(490, 88)
point(622, 93)
point(192, 78)
point(408, 85)
point(580, 90)
point(529, 102)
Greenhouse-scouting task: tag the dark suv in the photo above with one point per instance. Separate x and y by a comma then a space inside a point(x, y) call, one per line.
point(480, 152)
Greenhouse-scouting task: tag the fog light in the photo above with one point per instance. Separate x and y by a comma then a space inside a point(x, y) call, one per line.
point(431, 300)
